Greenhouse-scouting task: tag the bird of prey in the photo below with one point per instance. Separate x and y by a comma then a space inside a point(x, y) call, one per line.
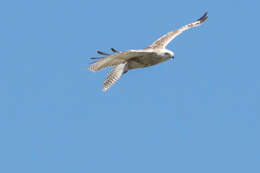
point(132, 59)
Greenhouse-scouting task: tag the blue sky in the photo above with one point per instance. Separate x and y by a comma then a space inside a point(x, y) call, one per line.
point(197, 113)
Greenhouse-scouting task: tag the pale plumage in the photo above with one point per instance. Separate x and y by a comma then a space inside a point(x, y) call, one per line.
point(114, 75)
point(131, 59)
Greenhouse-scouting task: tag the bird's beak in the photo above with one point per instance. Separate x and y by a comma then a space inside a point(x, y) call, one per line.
point(172, 57)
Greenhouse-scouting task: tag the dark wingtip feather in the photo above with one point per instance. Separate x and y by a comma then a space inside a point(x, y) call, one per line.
point(114, 50)
point(203, 18)
point(96, 57)
point(102, 53)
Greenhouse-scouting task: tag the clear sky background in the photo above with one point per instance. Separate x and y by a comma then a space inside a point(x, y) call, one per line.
point(197, 113)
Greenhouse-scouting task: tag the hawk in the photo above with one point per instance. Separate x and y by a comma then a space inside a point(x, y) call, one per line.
point(141, 58)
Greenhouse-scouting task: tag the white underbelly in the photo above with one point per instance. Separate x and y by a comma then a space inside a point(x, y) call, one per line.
point(145, 61)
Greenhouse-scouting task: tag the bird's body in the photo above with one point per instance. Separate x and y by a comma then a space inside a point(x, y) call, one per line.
point(132, 59)
point(149, 57)
point(152, 58)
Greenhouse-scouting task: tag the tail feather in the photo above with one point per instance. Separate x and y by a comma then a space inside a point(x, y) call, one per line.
point(116, 59)
point(108, 61)
point(102, 63)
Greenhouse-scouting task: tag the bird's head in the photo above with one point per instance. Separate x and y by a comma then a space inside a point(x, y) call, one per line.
point(168, 54)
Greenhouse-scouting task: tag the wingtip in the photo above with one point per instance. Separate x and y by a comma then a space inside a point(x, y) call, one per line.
point(91, 68)
point(102, 53)
point(203, 18)
point(114, 50)
point(94, 58)
point(104, 89)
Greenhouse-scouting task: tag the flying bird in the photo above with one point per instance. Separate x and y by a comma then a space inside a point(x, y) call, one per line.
point(132, 59)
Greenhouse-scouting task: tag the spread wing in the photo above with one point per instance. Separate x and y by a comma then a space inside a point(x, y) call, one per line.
point(114, 75)
point(116, 59)
point(163, 41)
